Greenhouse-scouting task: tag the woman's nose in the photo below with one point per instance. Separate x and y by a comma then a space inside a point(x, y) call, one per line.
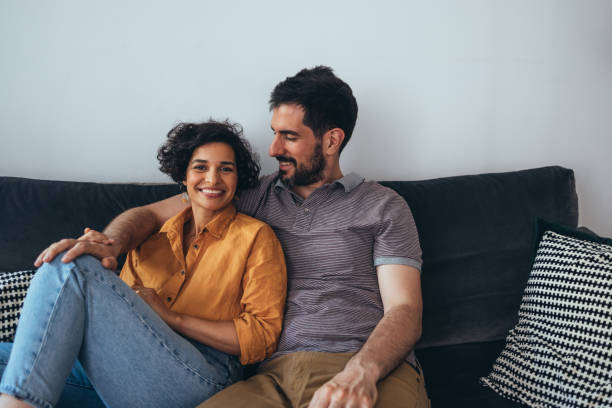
point(212, 177)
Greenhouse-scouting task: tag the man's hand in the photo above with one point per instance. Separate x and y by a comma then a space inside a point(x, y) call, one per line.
point(91, 242)
point(393, 337)
point(353, 387)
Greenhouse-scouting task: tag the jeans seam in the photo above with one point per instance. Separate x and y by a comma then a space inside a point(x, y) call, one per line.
point(161, 341)
point(46, 330)
point(81, 385)
point(23, 393)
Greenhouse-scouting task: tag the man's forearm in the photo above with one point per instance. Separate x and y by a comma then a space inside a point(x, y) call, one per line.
point(394, 336)
point(130, 228)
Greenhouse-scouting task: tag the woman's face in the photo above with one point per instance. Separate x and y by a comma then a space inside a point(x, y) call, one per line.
point(212, 176)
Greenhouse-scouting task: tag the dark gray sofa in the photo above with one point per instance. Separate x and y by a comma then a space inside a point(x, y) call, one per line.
point(476, 233)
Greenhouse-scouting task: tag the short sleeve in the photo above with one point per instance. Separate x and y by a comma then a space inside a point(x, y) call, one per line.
point(397, 240)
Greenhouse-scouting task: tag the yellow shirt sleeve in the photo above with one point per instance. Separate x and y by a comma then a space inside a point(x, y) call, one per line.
point(263, 300)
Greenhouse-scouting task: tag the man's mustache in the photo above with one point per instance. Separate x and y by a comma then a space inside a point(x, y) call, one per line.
point(286, 159)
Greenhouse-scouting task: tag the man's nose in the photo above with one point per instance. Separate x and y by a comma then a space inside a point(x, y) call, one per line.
point(276, 147)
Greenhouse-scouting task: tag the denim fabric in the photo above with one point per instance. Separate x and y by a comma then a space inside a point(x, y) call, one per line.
point(78, 391)
point(131, 357)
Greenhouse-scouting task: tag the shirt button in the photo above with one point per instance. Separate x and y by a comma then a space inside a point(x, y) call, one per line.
point(168, 298)
point(306, 210)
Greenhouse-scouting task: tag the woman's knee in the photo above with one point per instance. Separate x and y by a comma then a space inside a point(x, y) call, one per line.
point(58, 272)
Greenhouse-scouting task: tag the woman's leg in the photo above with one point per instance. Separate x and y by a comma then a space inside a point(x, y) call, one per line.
point(78, 391)
point(131, 356)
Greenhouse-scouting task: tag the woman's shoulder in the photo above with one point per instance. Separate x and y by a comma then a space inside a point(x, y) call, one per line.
point(246, 223)
point(244, 220)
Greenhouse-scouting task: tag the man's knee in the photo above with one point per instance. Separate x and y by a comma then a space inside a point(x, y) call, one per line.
point(258, 391)
point(404, 386)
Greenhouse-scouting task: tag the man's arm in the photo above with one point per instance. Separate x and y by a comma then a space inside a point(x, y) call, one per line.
point(128, 230)
point(392, 339)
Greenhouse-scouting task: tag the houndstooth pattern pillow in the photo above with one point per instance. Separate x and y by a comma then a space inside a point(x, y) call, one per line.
point(13, 288)
point(560, 352)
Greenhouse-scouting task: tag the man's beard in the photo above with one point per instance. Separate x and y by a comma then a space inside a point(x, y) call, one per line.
point(304, 175)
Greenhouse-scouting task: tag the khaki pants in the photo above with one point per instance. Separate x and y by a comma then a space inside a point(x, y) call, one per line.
point(291, 381)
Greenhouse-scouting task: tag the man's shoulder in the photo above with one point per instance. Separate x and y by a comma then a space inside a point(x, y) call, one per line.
point(264, 183)
point(250, 199)
point(372, 189)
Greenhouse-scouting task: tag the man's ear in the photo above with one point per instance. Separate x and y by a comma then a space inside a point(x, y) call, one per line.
point(332, 140)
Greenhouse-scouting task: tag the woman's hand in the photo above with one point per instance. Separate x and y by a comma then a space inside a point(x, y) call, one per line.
point(155, 302)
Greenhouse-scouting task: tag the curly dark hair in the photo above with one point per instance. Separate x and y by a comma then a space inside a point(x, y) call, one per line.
point(328, 101)
point(184, 138)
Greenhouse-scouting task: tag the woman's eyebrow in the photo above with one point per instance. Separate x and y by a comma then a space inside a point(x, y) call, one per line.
point(206, 161)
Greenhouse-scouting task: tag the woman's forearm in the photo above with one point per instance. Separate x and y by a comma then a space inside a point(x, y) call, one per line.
point(220, 335)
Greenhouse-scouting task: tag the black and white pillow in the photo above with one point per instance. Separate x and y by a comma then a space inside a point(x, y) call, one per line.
point(13, 288)
point(560, 352)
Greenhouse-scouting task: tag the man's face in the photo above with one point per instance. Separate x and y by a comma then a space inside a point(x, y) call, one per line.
point(295, 146)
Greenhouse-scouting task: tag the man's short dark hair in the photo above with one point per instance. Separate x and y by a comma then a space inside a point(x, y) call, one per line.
point(185, 138)
point(328, 101)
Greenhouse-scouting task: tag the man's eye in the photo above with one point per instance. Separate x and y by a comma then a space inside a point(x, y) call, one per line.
point(290, 138)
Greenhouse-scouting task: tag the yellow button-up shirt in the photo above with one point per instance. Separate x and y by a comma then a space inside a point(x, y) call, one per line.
point(235, 271)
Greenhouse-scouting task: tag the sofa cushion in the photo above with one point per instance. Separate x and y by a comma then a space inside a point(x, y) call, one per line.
point(13, 288)
point(477, 234)
point(560, 352)
point(36, 213)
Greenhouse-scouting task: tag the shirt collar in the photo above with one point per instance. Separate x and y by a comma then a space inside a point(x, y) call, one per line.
point(348, 182)
point(217, 226)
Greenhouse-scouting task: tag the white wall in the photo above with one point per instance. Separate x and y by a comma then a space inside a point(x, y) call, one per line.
point(88, 90)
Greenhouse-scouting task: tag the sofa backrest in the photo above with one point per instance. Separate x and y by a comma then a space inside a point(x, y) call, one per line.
point(476, 233)
point(477, 237)
point(35, 213)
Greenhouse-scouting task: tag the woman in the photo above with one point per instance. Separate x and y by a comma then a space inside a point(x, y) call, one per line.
point(198, 298)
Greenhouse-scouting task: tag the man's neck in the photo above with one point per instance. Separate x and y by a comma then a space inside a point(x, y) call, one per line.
point(305, 191)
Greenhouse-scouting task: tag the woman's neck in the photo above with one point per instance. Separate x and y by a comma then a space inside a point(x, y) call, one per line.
point(201, 217)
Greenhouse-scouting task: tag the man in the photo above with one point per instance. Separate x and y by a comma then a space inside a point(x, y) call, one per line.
point(354, 306)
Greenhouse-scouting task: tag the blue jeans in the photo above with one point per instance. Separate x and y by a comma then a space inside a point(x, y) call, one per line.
point(132, 358)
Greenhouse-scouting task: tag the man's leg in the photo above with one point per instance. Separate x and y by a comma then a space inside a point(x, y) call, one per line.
point(263, 390)
point(130, 355)
point(403, 387)
point(291, 381)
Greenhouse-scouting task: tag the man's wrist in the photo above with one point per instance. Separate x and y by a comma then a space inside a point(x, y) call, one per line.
point(367, 369)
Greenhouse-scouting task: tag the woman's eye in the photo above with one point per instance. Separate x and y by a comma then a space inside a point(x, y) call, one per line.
point(199, 167)
point(227, 169)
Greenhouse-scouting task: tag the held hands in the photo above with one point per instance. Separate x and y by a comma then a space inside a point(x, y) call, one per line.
point(353, 387)
point(91, 242)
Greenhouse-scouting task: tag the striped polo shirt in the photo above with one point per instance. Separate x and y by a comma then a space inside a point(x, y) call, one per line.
point(333, 240)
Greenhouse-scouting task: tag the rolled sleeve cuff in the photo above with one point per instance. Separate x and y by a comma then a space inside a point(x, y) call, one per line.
point(397, 260)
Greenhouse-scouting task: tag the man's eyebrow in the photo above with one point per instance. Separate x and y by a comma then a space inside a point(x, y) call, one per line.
point(288, 132)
